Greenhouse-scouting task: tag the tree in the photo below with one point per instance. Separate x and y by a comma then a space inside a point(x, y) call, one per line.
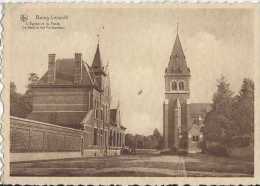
point(154, 141)
point(217, 128)
point(130, 140)
point(12, 87)
point(243, 110)
point(156, 133)
point(158, 139)
point(222, 99)
point(218, 122)
point(33, 77)
point(18, 104)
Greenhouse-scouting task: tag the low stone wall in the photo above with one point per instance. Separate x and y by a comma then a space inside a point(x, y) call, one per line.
point(37, 156)
point(33, 140)
point(33, 136)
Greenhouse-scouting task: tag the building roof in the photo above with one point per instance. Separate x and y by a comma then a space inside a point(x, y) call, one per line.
point(88, 117)
point(65, 73)
point(97, 62)
point(177, 63)
point(199, 108)
point(98, 68)
point(177, 47)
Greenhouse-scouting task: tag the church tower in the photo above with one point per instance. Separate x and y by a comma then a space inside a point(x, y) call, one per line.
point(177, 90)
point(99, 70)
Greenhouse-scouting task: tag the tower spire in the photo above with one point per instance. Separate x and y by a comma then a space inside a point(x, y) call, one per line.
point(177, 63)
point(177, 28)
point(98, 35)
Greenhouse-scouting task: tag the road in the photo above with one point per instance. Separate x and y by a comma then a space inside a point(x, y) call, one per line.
point(134, 165)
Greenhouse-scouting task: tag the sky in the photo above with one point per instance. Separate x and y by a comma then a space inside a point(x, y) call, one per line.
point(137, 42)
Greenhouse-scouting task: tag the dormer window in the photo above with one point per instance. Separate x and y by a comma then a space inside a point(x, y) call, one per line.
point(174, 85)
point(181, 85)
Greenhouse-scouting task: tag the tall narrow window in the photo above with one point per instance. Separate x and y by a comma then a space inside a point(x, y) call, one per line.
point(95, 136)
point(53, 117)
point(96, 113)
point(102, 114)
point(174, 85)
point(110, 138)
point(181, 85)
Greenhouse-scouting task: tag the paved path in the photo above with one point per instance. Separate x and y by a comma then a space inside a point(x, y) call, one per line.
point(182, 168)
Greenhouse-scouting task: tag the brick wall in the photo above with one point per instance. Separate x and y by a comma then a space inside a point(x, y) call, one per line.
point(33, 136)
point(64, 106)
point(65, 99)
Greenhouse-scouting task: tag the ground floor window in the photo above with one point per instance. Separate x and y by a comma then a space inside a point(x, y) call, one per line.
point(195, 138)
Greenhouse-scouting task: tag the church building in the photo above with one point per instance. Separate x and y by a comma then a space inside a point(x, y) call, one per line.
point(183, 122)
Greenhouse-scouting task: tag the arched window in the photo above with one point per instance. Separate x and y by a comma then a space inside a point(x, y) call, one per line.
point(174, 85)
point(181, 85)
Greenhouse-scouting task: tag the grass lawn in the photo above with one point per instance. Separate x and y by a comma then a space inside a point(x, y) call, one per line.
point(137, 165)
point(202, 162)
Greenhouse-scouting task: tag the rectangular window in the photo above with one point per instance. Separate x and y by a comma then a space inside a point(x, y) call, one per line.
point(196, 119)
point(195, 138)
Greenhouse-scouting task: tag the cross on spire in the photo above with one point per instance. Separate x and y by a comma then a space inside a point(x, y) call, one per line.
point(98, 35)
point(100, 30)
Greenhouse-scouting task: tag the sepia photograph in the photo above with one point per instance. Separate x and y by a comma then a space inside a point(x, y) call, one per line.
point(129, 91)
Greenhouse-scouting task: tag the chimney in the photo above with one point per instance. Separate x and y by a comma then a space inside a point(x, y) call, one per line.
point(78, 68)
point(51, 69)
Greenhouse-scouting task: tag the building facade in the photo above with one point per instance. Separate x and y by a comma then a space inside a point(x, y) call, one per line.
point(73, 94)
point(182, 121)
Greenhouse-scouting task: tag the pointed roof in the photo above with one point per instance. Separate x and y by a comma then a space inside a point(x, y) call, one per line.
point(97, 62)
point(177, 48)
point(177, 63)
point(87, 77)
